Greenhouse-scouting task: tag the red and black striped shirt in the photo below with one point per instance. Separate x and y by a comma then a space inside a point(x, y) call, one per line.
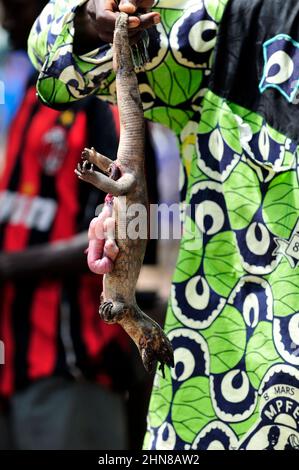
point(51, 326)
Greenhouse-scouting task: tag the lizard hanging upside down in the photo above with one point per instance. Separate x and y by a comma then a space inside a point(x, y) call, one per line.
point(124, 177)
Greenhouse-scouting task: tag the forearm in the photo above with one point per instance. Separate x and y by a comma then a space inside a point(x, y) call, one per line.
point(86, 37)
point(49, 260)
point(75, 65)
point(65, 75)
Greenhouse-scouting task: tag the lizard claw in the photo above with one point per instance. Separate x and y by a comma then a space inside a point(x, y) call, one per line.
point(87, 154)
point(105, 311)
point(83, 168)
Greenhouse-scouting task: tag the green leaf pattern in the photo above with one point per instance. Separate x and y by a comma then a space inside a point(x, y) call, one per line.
point(261, 353)
point(192, 408)
point(180, 99)
point(226, 338)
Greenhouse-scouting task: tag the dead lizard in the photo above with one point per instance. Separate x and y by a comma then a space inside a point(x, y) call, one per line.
point(125, 177)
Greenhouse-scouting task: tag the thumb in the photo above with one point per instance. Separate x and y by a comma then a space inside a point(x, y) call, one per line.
point(128, 6)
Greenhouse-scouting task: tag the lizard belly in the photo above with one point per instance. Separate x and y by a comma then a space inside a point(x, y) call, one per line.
point(120, 284)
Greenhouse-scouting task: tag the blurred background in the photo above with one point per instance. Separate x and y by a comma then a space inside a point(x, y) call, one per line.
point(69, 381)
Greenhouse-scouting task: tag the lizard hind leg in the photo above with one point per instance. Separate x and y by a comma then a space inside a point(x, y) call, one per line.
point(112, 312)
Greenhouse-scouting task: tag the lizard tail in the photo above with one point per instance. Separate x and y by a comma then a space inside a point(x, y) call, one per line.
point(153, 344)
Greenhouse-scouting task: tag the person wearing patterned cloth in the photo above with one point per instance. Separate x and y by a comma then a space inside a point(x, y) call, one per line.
point(223, 75)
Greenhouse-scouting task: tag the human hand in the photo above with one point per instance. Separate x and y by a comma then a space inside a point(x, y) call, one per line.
point(102, 249)
point(103, 13)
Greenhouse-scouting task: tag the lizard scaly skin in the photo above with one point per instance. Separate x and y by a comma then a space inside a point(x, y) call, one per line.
point(125, 177)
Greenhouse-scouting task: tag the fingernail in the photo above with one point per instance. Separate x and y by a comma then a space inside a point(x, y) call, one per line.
point(127, 6)
point(157, 19)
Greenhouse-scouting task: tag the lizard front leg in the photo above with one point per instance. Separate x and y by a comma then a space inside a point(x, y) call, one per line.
point(96, 158)
point(121, 187)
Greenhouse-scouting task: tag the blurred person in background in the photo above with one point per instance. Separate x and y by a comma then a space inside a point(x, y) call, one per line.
point(15, 68)
point(66, 372)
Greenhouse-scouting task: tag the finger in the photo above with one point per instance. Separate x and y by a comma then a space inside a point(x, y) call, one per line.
point(104, 266)
point(128, 6)
point(135, 24)
point(99, 228)
point(149, 19)
point(144, 22)
point(94, 257)
point(111, 249)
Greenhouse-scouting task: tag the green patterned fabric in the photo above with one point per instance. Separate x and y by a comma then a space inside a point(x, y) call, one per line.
point(233, 313)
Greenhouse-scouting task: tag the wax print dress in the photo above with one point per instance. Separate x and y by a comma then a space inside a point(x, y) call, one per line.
point(224, 76)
